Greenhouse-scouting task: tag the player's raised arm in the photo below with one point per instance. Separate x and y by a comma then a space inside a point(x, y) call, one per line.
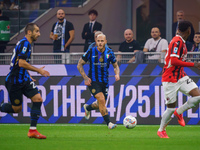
point(116, 70)
point(81, 62)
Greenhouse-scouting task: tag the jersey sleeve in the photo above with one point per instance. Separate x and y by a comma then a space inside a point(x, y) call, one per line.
point(176, 48)
point(146, 45)
point(112, 57)
point(120, 47)
point(136, 46)
point(70, 27)
point(86, 55)
point(23, 50)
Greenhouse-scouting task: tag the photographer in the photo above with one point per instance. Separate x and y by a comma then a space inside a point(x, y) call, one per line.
point(155, 44)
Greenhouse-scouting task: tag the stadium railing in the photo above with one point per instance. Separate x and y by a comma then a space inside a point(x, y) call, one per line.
point(73, 58)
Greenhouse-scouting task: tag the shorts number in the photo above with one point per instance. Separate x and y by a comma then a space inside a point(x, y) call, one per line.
point(13, 56)
point(189, 81)
point(33, 84)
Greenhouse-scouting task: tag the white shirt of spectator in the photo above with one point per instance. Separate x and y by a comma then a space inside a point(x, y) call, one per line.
point(151, 43)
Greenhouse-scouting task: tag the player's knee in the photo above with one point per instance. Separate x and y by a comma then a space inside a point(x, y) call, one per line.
point(100, 98)
point(101, 101)
point(17, 109)
point(37, 98)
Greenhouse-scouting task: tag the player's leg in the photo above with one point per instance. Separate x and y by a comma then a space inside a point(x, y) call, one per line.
point(35, 114)
point(90, 107)
point(170, 92)
point(103, 110)
point(189, 88)
point(95, 105)
point(15, 95)
point(94, 89)
point(31, 91)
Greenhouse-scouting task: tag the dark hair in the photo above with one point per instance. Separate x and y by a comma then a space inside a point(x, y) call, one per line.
point(184, 25)
point(93, 11)
point(197, 32)
point(30, 26)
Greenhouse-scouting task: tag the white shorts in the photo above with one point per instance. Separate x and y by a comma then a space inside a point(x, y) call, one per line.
point(184, 85)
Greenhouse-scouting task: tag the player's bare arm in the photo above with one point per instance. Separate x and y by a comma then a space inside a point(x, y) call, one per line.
point(81, 62)
point(25, 65)
point(116, 70)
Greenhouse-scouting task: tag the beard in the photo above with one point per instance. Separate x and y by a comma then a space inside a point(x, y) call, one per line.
point(61, 19)
point(33, 38)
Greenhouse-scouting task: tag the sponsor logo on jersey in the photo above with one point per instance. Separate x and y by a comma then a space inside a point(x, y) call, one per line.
point(24, 49)
point(175, 49)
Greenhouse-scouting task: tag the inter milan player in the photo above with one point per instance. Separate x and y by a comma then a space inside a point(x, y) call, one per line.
point(174, 79)
point(99, 58)
point(19, 81)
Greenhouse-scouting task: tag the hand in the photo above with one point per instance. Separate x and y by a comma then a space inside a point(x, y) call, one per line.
point(43, 72)
point(131, 61)
point(117, 78)
point(197, 65)
point(88, 81)
point(55, 37)
point(32, 79)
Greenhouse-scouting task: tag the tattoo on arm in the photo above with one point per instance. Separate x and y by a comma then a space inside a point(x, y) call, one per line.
point(80, 67)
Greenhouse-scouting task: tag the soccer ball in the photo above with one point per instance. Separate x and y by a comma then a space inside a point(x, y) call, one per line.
point(130, 122)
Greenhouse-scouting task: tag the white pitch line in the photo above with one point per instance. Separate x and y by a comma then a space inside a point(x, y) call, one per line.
point(90, 125)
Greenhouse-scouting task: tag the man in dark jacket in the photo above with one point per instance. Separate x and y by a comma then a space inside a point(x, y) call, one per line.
point(90, 28)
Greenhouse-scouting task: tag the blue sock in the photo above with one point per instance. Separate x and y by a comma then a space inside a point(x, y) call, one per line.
point(35, 113)
point(7, 108)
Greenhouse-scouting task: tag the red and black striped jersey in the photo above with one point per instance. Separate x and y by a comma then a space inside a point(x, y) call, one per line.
point(177, 48)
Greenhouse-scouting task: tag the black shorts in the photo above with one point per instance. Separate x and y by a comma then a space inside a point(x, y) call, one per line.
point(97, 87)
point(16, 91)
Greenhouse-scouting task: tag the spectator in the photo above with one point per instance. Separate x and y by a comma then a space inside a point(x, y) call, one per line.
point(4, 34)
point(62, 33)
point(95, 37)
point(196, 46)
point(180, 16)
point(90, 28)
point(155, 44)
point(129, 45)
point(12, 6)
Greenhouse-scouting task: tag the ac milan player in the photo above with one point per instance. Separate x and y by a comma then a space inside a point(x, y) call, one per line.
point(174, 79)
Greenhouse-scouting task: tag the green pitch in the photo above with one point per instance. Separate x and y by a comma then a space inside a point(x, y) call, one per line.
point(98, 137)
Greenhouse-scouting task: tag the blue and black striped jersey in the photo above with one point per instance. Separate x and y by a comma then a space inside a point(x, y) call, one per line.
point(21, 51)
point(99, 63)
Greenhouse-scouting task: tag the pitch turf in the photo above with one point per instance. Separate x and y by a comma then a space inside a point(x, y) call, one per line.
point(98, 137)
